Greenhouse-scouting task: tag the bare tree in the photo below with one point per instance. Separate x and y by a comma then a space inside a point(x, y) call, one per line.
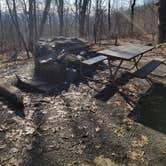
point(88, 18)
point(1, 30)
point(98, 25)
point(133, 3)
point(14, 18)
point(76, 14)
point(31, 25)
point(109, 15)
point(162, 18)
point(44, 17)
point(60, 6)
point(83, 4)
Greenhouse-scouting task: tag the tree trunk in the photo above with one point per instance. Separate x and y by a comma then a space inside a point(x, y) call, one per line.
point(44, 17)
point(109, 15)
point(82, 14)
point(162, 19)
point(14, 18)
point(31, 26)
point(60, 6)
point(132, 16)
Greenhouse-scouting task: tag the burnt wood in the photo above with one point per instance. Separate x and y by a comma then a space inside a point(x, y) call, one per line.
point(12, 94)
point(32, 85)
point(147, 69)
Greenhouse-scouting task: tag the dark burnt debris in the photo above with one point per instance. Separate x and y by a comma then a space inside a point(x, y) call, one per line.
point(58, 60)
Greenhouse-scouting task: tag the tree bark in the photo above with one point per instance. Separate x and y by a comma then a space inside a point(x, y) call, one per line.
point(109, 15)
point(31, 26)
point(14, 18)
point(82, 14)
point(60, 6)
point(132, 16)
point(44, 17)
point(162, 19)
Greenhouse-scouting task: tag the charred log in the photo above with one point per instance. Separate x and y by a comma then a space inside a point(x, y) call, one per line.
point(11, 94)
point(32, 85)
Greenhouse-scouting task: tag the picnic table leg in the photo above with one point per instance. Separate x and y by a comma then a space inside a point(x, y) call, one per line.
point(113, 75)
point(136, 61)
point(117, 69)
point(109, 64)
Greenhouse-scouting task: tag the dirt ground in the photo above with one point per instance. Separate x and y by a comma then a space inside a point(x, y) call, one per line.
point(74, 128)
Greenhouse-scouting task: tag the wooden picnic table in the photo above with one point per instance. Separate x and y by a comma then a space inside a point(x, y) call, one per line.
point(123, 53)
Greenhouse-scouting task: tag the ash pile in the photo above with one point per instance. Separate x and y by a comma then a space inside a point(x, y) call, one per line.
point(58, 60)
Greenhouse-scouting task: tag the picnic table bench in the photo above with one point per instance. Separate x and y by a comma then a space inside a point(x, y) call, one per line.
point(147, 69)
point(94, 60)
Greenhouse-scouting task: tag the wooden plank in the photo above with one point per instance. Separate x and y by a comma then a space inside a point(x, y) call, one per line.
point(94, 60)
point(147, 69)
point(126, 52)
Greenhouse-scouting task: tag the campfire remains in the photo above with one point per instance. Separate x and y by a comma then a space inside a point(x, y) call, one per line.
point(58, 60)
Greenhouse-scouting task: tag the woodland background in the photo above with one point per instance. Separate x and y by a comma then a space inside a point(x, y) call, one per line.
point(23, 22)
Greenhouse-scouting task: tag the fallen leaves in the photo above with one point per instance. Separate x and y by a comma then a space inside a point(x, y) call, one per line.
point(13, 150)
point(97, 129)
point(13, 162)
point(139, 142)
point(29, 130)
point(101, 161)
point(136, 154)
point(119, 132)
point(2, 146)
point(3, 128)
point(14, 135)
point(79, 101)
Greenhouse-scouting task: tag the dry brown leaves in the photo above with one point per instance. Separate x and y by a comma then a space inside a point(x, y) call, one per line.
point(136, 154)
point(140, 142)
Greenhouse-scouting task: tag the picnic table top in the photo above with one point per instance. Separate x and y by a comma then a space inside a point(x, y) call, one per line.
point(126, 52)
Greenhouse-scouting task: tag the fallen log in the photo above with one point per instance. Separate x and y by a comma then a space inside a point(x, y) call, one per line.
point(11, 94)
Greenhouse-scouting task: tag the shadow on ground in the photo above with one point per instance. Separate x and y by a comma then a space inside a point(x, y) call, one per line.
point(19, 111)
point(150, 110)
point(111, 89)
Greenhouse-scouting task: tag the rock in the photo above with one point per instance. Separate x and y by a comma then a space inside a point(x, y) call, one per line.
point(70, 60)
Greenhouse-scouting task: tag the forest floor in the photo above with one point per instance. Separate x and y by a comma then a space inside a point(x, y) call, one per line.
point(75, 128)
